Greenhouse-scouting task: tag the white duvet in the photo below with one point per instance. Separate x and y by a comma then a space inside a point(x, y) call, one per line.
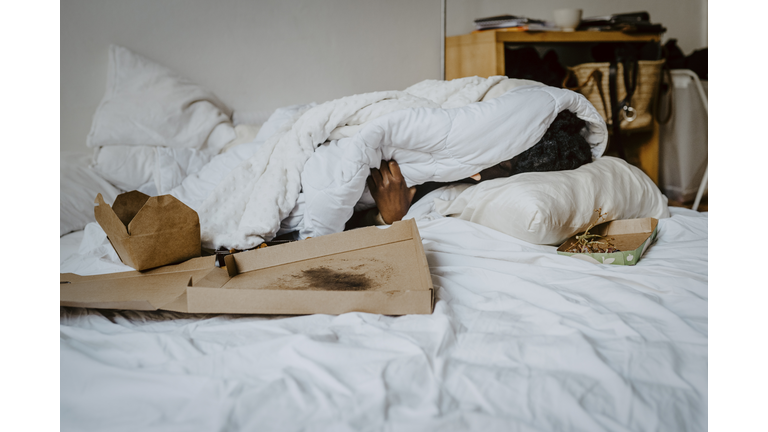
point(521, 339)
point(434, 129)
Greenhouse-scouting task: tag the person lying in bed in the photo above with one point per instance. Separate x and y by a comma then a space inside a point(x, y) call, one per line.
point(561, 148)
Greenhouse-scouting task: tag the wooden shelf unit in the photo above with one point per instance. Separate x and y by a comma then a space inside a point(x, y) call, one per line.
point(481, 53)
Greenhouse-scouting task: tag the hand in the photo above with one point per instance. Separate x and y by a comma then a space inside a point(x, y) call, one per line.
point(392, 196)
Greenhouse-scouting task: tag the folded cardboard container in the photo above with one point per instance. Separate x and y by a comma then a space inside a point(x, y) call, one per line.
point(631, 237)
point(365, 270)
point(149, 232)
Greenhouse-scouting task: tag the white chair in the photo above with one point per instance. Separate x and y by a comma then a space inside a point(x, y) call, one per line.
point(704, 100)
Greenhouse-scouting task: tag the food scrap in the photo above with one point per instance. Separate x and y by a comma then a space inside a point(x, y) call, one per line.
point(593, 243)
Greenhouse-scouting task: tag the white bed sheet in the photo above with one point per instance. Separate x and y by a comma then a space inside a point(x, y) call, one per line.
point(521, 339)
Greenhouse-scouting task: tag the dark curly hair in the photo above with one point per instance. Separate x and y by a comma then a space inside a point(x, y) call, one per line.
point(561, 148)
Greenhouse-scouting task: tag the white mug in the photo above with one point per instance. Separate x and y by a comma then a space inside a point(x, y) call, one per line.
point(567, 19)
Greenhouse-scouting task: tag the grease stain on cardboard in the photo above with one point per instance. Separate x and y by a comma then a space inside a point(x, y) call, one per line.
point(334, 280)
point(340, 275)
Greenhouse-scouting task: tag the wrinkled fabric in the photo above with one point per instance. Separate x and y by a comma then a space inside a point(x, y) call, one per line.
point(248, 205)
point(521, 339)
point(435, 144)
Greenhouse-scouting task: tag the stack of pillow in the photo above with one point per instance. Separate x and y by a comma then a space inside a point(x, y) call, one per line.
point(152, 129)
point(154, 126)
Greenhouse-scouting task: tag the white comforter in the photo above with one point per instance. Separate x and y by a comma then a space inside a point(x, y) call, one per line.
point(521, 339)
point(441, 136)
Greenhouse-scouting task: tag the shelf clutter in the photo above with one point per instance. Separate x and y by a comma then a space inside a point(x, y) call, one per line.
point(633, 22)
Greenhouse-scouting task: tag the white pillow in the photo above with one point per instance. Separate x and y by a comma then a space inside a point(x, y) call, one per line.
point(78, 187)
point(126, 167)
point(549, 207)
point(146, 104)
point(131, 167)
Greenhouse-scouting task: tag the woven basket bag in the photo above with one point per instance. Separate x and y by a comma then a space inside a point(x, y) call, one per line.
point(593, 84)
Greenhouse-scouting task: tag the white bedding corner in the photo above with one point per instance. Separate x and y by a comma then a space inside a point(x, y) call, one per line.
point(520, 339)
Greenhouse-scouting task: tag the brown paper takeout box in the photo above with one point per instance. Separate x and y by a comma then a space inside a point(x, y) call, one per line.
point(630, 236)
point(149, 232)
point(370, 269)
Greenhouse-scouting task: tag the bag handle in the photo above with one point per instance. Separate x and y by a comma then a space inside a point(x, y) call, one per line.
point(615, 109)
point(630, 66)
point(597, 77)
point(630, 82)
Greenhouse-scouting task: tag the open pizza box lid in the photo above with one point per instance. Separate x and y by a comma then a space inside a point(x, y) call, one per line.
point(364, 270)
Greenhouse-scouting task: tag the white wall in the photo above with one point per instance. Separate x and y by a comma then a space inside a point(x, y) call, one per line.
point(254, 55)
point(258, 55)
point(685, 20)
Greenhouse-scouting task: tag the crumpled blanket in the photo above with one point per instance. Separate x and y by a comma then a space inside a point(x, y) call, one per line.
point(246, 208)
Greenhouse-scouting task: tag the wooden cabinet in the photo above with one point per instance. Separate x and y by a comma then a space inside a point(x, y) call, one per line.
point(482, 53)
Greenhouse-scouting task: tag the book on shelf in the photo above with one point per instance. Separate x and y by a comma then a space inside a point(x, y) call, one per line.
point(513, 22)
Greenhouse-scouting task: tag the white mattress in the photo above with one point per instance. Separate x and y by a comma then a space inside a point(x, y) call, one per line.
point(521, 339)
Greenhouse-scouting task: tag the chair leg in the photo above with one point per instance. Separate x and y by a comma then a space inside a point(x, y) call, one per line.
point(700, 193)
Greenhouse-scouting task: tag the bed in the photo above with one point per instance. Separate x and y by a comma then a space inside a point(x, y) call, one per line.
point(520, 338)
